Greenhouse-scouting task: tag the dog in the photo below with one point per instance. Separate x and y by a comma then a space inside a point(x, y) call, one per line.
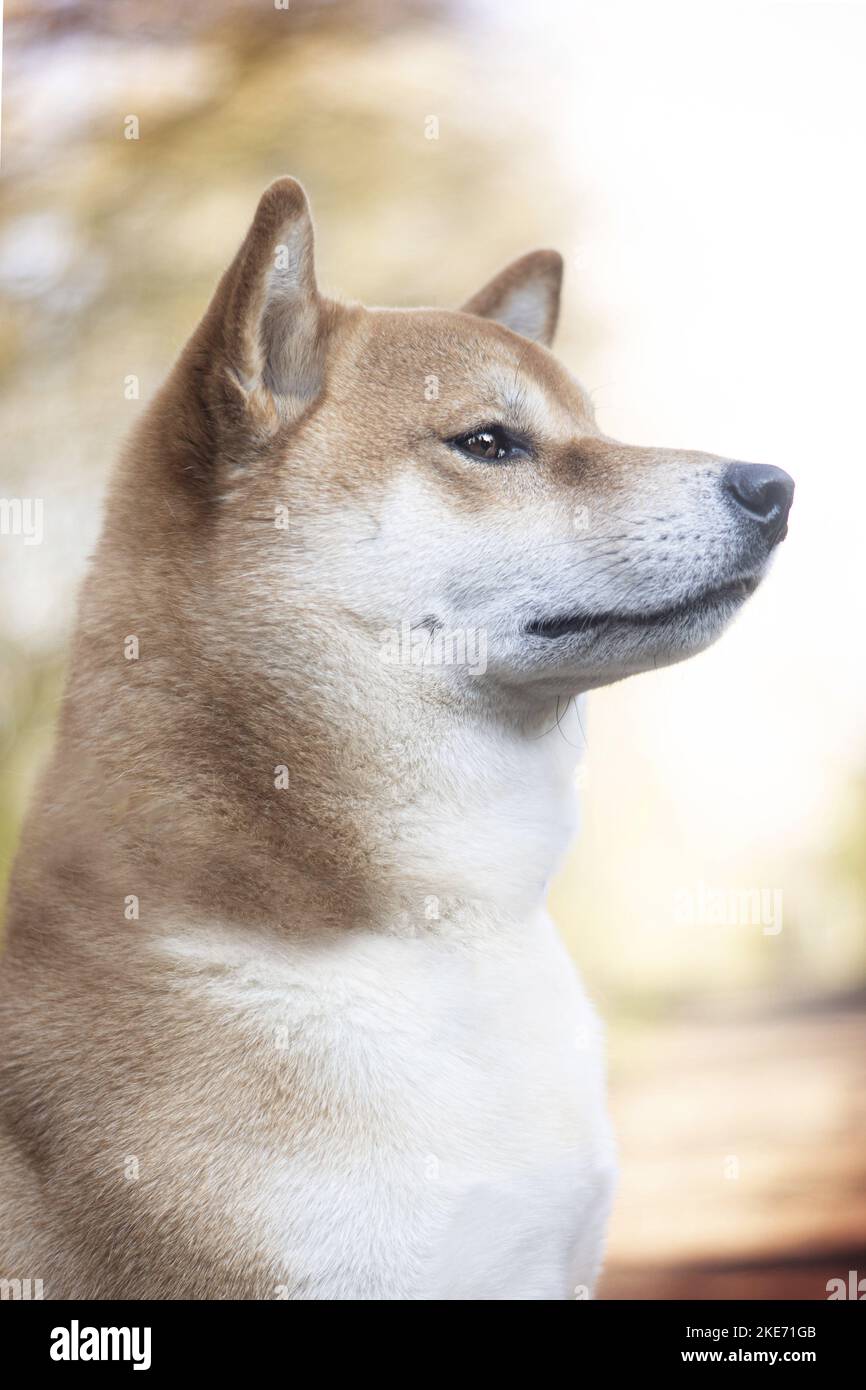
point(283, 1015)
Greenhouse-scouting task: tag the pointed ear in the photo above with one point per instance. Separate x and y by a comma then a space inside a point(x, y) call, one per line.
point(524, 296)
point(270, 309)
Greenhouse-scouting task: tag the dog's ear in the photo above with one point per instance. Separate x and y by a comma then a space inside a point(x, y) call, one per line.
point(270, 316)
point(524, 296)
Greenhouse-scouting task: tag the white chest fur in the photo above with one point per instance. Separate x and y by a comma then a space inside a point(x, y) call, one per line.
point(451, 1140)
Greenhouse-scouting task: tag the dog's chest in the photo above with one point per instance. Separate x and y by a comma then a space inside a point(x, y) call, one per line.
point(455, 1142)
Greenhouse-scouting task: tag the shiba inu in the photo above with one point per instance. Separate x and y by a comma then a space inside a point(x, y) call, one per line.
point(282, 1013)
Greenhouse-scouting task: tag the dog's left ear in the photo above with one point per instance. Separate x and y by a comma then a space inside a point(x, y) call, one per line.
point(524, 296)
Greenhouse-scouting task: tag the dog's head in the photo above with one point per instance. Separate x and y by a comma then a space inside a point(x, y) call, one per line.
point(432, 487)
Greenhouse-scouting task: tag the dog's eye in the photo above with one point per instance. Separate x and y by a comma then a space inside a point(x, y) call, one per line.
point(491, 442)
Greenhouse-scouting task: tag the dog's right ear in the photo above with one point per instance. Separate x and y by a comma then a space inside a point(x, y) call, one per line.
point(266, 320)
point(524, 296)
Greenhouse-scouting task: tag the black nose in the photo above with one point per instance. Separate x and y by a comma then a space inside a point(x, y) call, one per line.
point(765, 493)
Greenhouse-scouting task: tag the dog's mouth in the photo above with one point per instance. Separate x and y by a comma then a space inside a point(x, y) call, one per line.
point(702, 605)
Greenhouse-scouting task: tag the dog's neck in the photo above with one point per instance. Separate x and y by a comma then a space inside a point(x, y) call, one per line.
point(469, 803)
point(403, 794)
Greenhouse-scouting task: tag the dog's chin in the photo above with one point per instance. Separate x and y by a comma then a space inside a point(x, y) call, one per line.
point(595, 648)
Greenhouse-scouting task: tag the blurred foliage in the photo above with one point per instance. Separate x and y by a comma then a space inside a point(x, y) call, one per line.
point(29, 696)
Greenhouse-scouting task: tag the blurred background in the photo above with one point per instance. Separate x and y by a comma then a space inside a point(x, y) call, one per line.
point(700, 167)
